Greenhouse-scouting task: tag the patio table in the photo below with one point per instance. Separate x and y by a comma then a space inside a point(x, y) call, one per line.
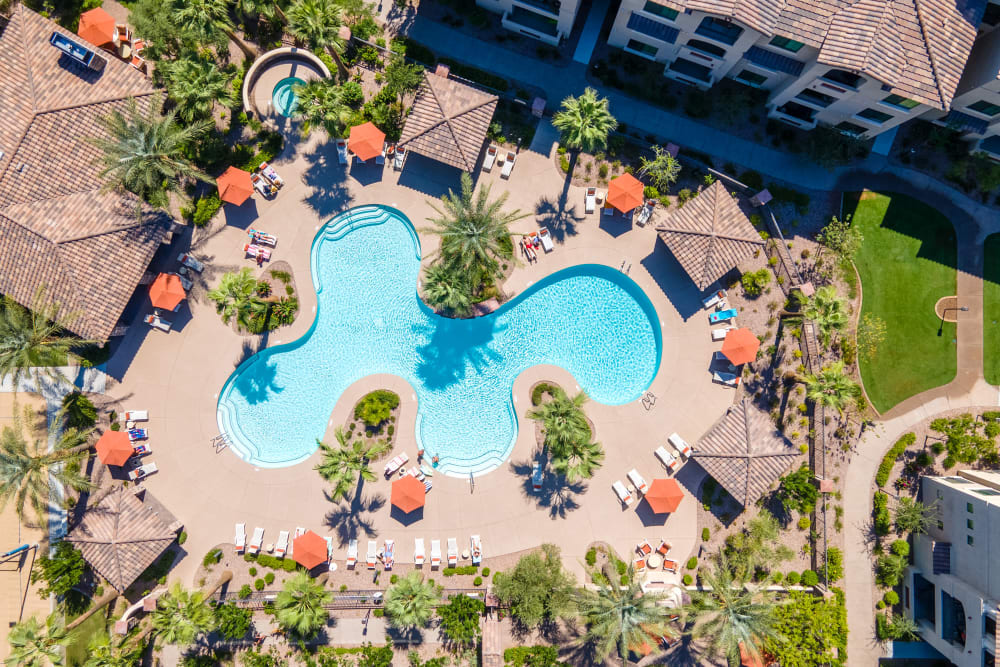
point(125, 50)
point(654, 561)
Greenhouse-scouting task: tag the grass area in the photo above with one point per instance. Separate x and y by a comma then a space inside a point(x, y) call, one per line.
point(907, 262)
point(991, 309)
point(76, 653)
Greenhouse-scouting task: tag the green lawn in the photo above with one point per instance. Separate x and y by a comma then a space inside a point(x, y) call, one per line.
point(991, 310)
point(907, 262)
point(76, 653)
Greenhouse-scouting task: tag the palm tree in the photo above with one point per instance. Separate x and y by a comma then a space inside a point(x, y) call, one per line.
point(207, 21)
point(182, 616)
point(584, 122)
point(143, 152)
point(26, 468)
point(318, 23)
point(827, 310)
point(34, 645)
point(103, 651)
point(299, 606)
point(266, 9)
point(832, 387)
point(581, 462)
point(564, 422)
point(195, 83)
point(727, 614)
point(347, 465)
point(447, 289)
point(321, 102)
point(619, 616)
point(236, 296)
point(410, 602)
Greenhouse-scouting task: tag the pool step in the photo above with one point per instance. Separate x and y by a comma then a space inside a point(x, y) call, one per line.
point(363, 216)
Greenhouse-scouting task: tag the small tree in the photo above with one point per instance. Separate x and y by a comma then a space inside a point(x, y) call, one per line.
point(662, 170)
point(78, 411)
point(841, 238)
point(61, 571)
point(797, 491)
point(871, 334)
point(915, 517)
point(460, 619)
point(232, 621)
point(537, 589)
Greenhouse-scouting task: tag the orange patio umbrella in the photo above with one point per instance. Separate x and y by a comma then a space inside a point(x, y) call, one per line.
point(366, 141)
point(408, 494)
point(166, 291)
point(625, 192)
point(740, 346)
point(309, 550)
point(234, 186)
point(664, 495)
point(114, 448)
point(97, 27)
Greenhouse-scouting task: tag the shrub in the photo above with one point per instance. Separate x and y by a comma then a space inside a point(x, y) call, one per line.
point(602, 170)
point(889, 570)
point(692, 562)
point(777, 577)
point(891, 598)
point(259, 584)
point(882, 521)
point(289, 566)
point(352, 93)
point(253, 571)
point(650, 192)
point(706, 535)
point(245, 591)
point(792, 578)
point(379, 613)
point(755, 282)
point(212, 557)
point(890, 458)
point(269, 578)
point(591, 558)
point(880, 604)
point(810, 578)
point(834, 570)
point(901, 548)
point(687, 579)
point(478, 581)
point(804, 522)
point(375, 408)
point(394, 578)
point(182, 538)
point(752, 180)
point(948, 462)
point(564, 164)
point(205, 209)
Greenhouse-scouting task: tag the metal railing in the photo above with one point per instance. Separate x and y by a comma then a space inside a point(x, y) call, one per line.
point(349, 599)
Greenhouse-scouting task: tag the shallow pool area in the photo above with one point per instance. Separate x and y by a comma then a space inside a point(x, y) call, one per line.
point(591, 320)
point(283, 96)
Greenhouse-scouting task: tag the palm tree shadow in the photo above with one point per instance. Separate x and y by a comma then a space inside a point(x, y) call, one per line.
point(557, 494)
point(560, 219)
point(348, 520)
point(441, 364)
point(326, 177)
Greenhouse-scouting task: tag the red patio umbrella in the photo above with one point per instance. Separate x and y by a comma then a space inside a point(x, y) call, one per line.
point(234, 186)
point(408, 494)
point(166, 291)
point(625, 192)
point(664, 495)
point(309, 550)
point(114, 448)
point(740, 346)
point(97, 27)
point(366, 141)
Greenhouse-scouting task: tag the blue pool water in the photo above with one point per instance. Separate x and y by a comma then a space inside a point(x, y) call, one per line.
point(283, 96)
point(590, 319)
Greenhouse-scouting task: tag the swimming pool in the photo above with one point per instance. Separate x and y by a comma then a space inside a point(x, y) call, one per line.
point(591, 320)
point(283, 96)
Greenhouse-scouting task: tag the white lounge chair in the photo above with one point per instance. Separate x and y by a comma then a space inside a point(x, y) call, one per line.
point(591, 200)
point(713, 298)
point(142, 471)
point(435, 554)
point(190, 262)
point(536, 477)
point(352, 553)
point(399, 158)
point(623, 495)
point(546, 238)
point(667, 459)
point(679, 444)
point(157, 322)
point(720, 333)
point(256, 541)
point(452, 552)
point(728, 379)
point(282, 546)
point(389, 556)
point(263, 186)
point(645, 213)
point(491, 157)
point(380, 159)
point(240, 541)
point(271, 175)
point(395, 464)
point(508, 166)
point(299, 532)
point(418, 551)
point(262, 238)
point(476, 548)
point(372, 554)
point(637, 481)
point(342, 156)
point(254, 251)
point(136, 415)
point(329, 548)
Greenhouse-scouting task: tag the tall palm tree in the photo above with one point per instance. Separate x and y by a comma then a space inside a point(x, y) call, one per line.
point(410, 602)
point(299, 606)
point(207, 21)
point(827, 310)
point(143, 151)
point(195, 83)
point(266, 9)
point(727, 614)
point(584, 122)
point(35, 645)
point(26, 467)
point(564, 422)
point(182, 616)
point(318, 23)
point(832, 387)
point(580, 462)
point(103, 651)
point(619, 616)
point(236, 296)
point(321, 102)
point(447, 289)
point(347, 464)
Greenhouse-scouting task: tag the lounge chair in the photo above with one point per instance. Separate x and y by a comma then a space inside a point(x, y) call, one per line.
point(645, 213)
point(138, 61)
point(142, 472)
point(590, 200)
point(669, 565)
point(299, 532)
point(639, 564)
point(380, 159)
point(190, 262)
point(240, 541)
point(342, 155)
point(719, 358)
point(435, 554)
point(137, 434)
point(418, 551)
point(667, 459)
point(262, 238)
point(271, 175)
point(536, 477)
point(508, 166)
point(644, 548)
point(637, 481)
point(254, 251)
point(491, 157)
point(400, 158)
point(722, 316)
point(713, 298)
point(476, 548)
point(256, 541)
point(282, 546)
point(186, 283)
point(142, 449)
point(263, 186)
point(720, 333)
point(623, 495)
point(728, 379)
point(395, 464)
point(329, 547)
point(136, 415)
point(529, 251)
point(664, 548)
point(352, 553)
point(546, 238)
point(679, 444)
point(452, 552)
point(157, 322)
point(389, 558)
point(372, 554)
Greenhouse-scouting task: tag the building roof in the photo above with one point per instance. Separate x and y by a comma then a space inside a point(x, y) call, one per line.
point(121, 536)
point(744, 452)
point(57, 228)
point(448, 121)
point(709, 235)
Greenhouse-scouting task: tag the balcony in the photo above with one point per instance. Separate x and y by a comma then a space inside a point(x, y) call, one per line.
point(527, 22)
point(652, 28)
point(797, 111)
point(817, 99)
point(548, 6)
point(991, 146)
point(689, 72)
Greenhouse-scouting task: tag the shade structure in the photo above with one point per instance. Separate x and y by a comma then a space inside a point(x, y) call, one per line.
point(740, 346)
point(625, 192)
point(408, 494)
point(114, 448)
point(664, 495)
point(166, 291)
point(309, 550)
point(235, 186)
point(97, 27)
point(366, 141)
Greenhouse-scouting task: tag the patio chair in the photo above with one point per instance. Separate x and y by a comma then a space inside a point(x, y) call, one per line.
point(136, 415)
point(476, 548)
point(664, 548)
point(667, 459)
point(256, 541)
point(435, 554)
point(157, 322)
point(719, 358)
point(546, 238)
point(536, 477)
point(395, 464)
point(608, 209)
point(342, 155)
point(352, 554)
point(623, 495)
point(389, 557)
point(713, 299)
point(372, 554)
point(254, 251)
point(591, 200)
point(299, 532)
point(508, 166)
point(122, 34)
point(452, 552)
point(491, 157)
point(639, 564)
point(142, 472)
point(142, 449)
point(186, 283)
point(637, 481)
point(720, 333)
point(681, 446)
point(240, 541)
point(644, 215)
point(644, 548)
point(669, 565)
point(722, 316)
point(272, 175)
point(282, 546)
point(138, 434)
point(728, 379)
point(418, 551)
point(400, 158)
point(187, 260)
point(329, 548)
point(262, 238)
point(380, 159)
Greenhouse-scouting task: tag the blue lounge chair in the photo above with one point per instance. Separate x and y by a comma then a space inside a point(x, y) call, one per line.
point(137, 434)
point(722, 316)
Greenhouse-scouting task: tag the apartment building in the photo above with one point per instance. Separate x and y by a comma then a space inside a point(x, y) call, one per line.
point(862, 66)
point(952, 590)
point(545, 20)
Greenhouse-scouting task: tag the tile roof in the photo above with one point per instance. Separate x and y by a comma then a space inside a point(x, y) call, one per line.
point(57, 227)
point(744, 452)
point(448, 121)
point(709, 235)
point(121, 536)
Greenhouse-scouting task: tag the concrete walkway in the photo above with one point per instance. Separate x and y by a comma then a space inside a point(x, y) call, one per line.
point(591, 32)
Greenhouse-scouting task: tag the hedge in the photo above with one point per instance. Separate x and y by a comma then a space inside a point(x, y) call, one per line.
point(452, 571)
point(889, 460)
point(272, 562)
point(882, 521)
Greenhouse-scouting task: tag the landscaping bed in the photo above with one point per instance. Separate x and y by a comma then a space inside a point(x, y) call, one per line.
point(374, 417)
point(991, 309)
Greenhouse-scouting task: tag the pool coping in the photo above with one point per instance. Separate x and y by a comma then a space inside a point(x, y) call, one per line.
point(273, 57)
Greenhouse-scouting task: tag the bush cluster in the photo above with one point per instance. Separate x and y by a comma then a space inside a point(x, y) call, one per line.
point(540, 390)
point(755, 282)
point(375, 408)
point(452, 571)
point(810, 578)
point(882, 521)
point(266, 560)
point(890, 458)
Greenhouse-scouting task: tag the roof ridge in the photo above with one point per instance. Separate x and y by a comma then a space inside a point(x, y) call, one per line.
point(931, 58)
point(746, 433)
point(94, 103)
point(27, 62)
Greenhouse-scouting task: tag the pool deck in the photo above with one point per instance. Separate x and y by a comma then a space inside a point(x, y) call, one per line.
point(178, 376)
point(269, 78)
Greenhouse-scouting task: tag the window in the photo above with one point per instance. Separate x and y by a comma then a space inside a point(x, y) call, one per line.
point(850, 129)
point(985, 108)
point(719, 30)
point(817, 98)
point(969, 509)
point(874, 115)
point(989, 626)
point(846, 78)
point(987, 492)
point(901, 102)
point(751, 78)
point(971, 541)
point(785, 43)
point(970, 524)
point(641, 47)
point(940, 524)
point(660, 10)
point(710, 49)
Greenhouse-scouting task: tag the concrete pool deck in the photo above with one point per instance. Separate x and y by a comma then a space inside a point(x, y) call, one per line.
point(178, 376)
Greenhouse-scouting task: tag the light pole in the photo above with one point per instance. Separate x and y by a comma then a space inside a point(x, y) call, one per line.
point(945, 310)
